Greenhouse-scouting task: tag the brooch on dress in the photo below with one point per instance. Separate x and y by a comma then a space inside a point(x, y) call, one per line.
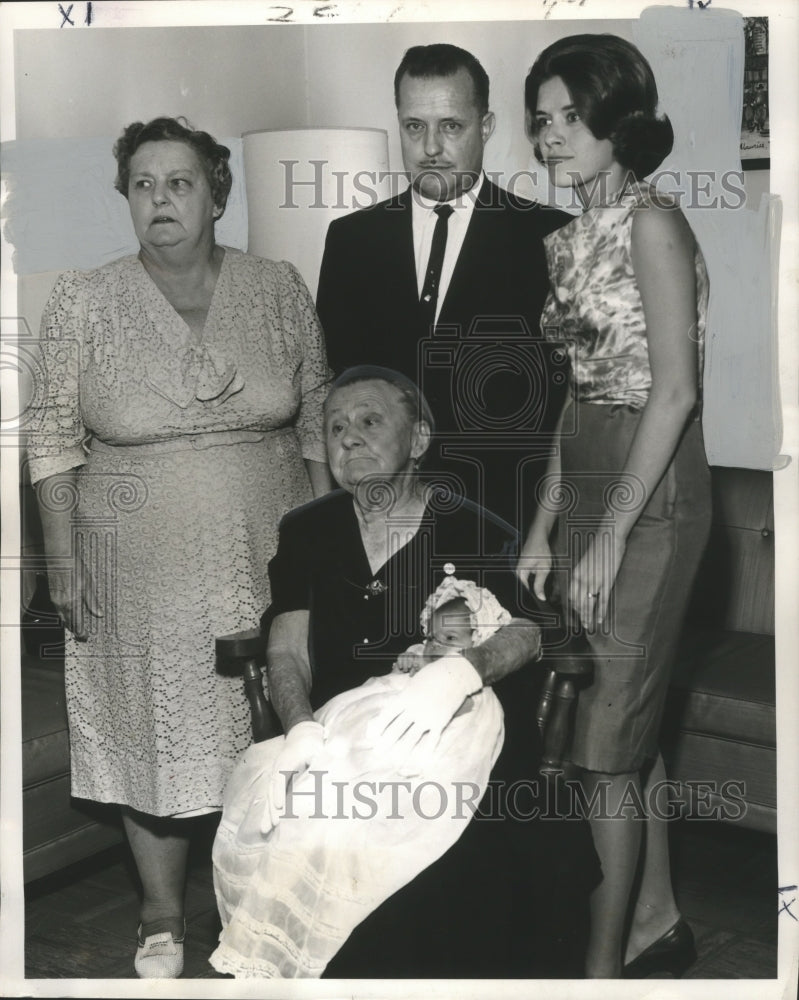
point(375, 588)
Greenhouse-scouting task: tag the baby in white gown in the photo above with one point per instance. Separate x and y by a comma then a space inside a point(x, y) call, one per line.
point(358, 824)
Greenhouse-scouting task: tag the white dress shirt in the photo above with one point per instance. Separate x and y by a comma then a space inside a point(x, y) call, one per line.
point(424, 222)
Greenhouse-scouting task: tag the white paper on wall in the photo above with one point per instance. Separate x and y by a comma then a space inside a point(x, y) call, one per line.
point(62, 210)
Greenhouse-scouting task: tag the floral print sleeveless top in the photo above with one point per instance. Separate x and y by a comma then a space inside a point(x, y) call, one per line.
point(594, 305)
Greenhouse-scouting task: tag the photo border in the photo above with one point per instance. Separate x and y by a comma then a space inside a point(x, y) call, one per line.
point(783, 165)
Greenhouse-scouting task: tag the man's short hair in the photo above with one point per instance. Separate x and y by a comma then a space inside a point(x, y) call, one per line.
point(427, 61)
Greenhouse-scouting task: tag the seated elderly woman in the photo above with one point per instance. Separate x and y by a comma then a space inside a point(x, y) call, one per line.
point(351, 572)
point(327, 836)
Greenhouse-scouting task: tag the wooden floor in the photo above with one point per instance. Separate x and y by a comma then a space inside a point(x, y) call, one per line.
point(82, 922)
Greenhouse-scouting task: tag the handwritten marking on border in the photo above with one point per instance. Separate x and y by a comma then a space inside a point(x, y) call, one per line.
point(787, 904)
point(285, 17)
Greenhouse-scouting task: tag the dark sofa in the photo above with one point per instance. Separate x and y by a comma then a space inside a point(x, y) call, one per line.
point(720, 723)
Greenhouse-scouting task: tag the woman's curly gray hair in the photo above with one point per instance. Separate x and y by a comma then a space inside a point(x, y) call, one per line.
point(212, 155)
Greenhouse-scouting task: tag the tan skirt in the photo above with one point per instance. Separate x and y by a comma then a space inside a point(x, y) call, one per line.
point(618, 716)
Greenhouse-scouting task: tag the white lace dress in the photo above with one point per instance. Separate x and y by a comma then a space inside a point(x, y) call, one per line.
point(189, 453)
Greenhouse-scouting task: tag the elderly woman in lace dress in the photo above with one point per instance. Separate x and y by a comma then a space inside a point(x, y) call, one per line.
point(180, 418)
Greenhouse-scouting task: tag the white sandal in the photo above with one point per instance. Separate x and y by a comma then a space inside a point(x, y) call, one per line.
point(159, 956)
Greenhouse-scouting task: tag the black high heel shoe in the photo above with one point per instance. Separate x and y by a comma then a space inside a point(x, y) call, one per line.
point(673, 953)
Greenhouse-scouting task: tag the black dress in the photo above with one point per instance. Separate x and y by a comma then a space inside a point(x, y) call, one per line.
point(510, 897)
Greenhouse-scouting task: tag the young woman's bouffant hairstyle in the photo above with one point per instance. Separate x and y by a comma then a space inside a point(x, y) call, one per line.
point(212, 155)
point(614, 91)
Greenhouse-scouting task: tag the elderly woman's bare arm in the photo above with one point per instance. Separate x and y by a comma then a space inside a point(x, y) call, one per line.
point(289, 673)
point(289, 669)
point(73, 589)
point(507, 650)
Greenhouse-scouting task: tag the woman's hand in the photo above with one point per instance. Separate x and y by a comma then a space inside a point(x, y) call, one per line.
point(535, 560)
point(73, 592)
point(594, 576)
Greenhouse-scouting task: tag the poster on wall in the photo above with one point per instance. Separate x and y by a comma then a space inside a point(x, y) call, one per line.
point(755, 132)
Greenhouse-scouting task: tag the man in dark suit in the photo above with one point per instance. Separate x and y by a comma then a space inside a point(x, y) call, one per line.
point(453, 303)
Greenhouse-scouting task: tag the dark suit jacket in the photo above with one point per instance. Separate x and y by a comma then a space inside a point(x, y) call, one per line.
point(485, 370)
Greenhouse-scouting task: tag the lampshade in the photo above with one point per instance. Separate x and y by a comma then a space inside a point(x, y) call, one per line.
point(299, 180)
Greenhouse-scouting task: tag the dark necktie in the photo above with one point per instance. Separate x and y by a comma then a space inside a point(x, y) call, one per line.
point(432, 278)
